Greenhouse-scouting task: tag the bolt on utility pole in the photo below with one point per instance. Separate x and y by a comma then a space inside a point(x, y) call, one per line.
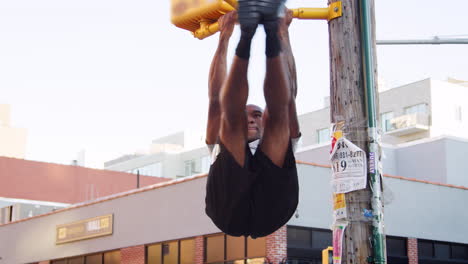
point(353, 109)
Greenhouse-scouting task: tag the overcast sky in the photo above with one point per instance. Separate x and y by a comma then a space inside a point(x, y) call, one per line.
point(108, 76)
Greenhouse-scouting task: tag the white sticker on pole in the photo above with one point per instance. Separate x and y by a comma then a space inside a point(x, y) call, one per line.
point(349, 167)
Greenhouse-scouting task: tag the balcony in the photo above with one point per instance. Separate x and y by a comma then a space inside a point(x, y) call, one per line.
point(408, 124)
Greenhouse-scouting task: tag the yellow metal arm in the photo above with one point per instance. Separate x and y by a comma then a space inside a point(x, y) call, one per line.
point(328, 13)
point(206, 29)
point(209, 27)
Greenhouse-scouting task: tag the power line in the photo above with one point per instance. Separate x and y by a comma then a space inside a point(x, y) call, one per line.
point(434, 41)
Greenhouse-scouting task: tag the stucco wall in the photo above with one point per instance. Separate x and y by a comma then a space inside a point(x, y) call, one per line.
point(426, 211)
point(423, 161)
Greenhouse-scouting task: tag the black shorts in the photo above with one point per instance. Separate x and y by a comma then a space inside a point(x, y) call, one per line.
point(254, 200)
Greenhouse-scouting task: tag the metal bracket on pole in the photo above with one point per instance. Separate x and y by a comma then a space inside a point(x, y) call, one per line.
point(333, 11)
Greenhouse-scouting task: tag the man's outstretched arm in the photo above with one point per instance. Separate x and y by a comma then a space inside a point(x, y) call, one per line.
point(290, 71)
point(217, 76)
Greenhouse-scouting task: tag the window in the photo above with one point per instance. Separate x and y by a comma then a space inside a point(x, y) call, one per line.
point(187, 251)
point(458, 113)
point(444, 251)
point(235, 247)
point(321, 239)
point(460, 251)
point(94, 259)
point(396, 246)
point(425, 249)
point(154, 170)
point(419, 108)
point(62, 261)
point(385, 124)
point(112, 257)
point(225, 249)
point(191, 167)
point(78, 260)
point(215, 248)
point(323, 135)
point(305, 245)
point(256, 247)
point(205, 164)
point(173, 252)
point(299, 237)
point(302, 237)
point(195, 166)
point(154, 254)
point(170, 252)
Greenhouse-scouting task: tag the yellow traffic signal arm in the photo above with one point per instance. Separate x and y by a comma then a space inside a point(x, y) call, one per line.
point(328, 13)
point(200, 16)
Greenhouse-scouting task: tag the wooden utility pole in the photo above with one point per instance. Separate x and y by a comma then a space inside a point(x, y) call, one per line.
point(348, 110)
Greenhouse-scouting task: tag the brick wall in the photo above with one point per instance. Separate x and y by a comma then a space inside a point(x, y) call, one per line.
point(412, 251)
point(199, 250)
point(276, 246)
point(133, 255)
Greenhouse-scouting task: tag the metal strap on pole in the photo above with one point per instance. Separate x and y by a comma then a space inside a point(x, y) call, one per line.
point(378, 236)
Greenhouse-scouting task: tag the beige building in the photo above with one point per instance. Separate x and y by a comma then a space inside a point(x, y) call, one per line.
point(12, 139)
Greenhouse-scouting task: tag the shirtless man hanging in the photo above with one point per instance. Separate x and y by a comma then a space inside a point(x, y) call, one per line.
point(252, 187)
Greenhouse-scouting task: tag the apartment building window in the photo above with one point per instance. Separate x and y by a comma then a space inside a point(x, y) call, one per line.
point(385, 119)
point(323, 135)
point(191, 167)
point(205, 164)
point(172, 252)
point(225, 249)
point(458, 113)
point(154, 169)
point(197, 165)
point(419, 108)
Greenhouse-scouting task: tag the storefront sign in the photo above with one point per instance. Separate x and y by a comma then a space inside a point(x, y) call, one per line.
point(85, 229)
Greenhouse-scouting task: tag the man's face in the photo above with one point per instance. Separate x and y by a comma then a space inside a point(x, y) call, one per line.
point(254, 122)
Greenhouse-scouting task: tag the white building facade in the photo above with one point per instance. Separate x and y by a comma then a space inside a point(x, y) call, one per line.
point(420, 121)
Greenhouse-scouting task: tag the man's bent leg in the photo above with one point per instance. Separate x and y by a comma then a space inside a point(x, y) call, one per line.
point(233, 133)
point(276, 136)
point(229, 180)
